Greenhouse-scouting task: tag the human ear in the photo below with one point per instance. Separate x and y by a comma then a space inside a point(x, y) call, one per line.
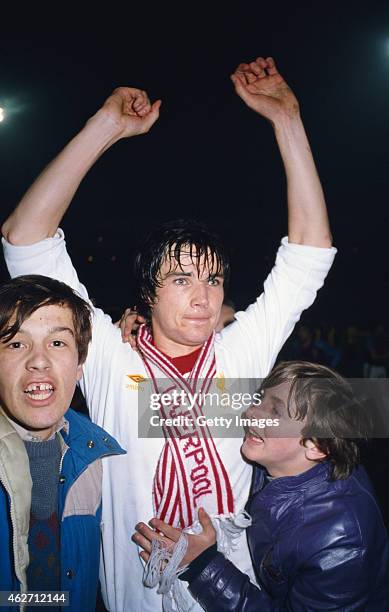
point(79, 372)
point(152, 301)
point(312, 452)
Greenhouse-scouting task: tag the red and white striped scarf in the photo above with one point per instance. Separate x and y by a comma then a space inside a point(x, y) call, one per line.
point(190, 472)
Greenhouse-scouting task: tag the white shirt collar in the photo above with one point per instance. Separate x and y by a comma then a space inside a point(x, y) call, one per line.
point(30, 436)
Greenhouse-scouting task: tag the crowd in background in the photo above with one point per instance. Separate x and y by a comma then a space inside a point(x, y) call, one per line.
point(352, 351)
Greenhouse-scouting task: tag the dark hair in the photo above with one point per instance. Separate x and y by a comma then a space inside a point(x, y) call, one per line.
point(22, 296)
point(335, 419)
point(167, 242)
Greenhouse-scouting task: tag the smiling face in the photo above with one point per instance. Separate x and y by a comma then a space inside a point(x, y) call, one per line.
point(278, 449)
point(187, 305)
point(39, 369)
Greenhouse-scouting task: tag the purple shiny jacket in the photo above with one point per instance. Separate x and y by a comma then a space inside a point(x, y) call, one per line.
point(316, 544)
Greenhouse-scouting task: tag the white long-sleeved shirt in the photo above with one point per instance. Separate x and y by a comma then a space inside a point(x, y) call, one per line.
point(245, 349)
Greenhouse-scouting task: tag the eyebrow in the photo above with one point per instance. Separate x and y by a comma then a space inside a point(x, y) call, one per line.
point(56, 330)
point(53, 330)
point(178, 273)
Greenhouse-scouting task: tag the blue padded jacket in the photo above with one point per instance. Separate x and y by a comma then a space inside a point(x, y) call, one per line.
point(79, 501)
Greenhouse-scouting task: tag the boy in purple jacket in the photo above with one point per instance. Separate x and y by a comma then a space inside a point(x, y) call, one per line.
point(317, 539)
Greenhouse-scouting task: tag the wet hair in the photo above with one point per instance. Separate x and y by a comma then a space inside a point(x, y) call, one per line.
point(22, 296)
point(168, 242)
point(335, 420)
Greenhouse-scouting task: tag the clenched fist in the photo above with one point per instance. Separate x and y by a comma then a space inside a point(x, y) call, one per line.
point(264, 90)
point(130, 111)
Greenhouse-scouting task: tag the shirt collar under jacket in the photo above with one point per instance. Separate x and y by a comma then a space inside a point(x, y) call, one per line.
point(29, 436)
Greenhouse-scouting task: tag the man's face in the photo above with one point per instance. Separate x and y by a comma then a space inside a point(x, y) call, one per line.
point(278, 449)
point(39, 370)
point(187, 306)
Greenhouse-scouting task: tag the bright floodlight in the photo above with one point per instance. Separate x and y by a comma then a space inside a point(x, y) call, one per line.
point(1, 114)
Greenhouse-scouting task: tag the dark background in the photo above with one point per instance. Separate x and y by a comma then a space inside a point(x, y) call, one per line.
point(209, 156)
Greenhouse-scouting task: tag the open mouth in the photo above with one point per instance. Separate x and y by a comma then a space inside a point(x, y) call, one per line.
point(39, 391)
point(253, 435)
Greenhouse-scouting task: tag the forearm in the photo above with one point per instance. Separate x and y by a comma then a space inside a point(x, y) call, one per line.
point(307, 213)
point(222, 587)
point(41, 209)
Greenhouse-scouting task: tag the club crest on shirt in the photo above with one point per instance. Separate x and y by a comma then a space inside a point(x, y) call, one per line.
point(220, 381)
point(136, 379)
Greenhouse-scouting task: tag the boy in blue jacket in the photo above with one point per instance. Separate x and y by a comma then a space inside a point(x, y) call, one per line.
point(317, 539)
point(50, 456)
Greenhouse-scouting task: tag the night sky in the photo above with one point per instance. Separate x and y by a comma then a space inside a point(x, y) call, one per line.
point(208, 157)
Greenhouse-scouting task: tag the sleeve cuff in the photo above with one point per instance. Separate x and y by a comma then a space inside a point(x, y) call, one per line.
point(196, 567)
point(324, 253)
point(17, 252)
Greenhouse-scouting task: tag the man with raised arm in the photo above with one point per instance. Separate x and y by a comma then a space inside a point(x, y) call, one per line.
point(179, 275)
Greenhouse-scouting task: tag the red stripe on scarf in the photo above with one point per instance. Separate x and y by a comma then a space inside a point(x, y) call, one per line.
point(172, 454)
